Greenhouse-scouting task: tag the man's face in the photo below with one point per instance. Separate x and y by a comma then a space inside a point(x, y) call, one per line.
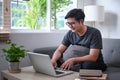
point(73, 24)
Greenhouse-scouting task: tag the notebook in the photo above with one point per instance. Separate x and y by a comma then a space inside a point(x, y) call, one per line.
point(42, 63)
point(90, 73)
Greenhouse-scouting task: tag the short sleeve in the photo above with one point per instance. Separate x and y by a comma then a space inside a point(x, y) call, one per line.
point(96, 40)
point(66, 40)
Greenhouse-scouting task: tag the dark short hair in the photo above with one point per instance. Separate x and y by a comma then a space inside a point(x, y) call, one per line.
point(75, 13)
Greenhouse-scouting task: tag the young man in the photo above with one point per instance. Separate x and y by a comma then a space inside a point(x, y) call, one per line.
point(80, 35)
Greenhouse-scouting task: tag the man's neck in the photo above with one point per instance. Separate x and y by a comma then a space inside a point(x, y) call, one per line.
point(82, 30)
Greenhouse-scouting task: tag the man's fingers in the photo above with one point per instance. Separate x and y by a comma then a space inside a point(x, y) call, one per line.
point(55, 64)
point(65, 66)
point(69, 67)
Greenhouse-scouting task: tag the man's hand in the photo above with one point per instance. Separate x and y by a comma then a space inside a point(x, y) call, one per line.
point(57, 54)
point(67, 64)
point(54, 63)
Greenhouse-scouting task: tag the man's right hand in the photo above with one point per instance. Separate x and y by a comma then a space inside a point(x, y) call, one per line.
point(57, 54)
point(54, 63)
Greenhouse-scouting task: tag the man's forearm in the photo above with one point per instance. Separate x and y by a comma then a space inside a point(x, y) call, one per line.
point(56, 55)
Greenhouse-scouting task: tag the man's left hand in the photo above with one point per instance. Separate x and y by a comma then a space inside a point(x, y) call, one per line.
point(67, 64)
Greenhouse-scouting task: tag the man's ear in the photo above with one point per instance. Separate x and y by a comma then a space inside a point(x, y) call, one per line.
point(81, 21)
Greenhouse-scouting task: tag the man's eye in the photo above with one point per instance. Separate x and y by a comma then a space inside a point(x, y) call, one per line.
point(73, 23)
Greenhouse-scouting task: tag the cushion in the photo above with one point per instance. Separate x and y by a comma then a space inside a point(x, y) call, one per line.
point(75, 51)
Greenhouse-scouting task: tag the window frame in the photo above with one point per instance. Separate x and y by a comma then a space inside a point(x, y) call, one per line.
point(48, 21)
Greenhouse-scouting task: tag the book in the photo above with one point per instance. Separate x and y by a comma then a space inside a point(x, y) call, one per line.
point(103, 77)
point(90, 73)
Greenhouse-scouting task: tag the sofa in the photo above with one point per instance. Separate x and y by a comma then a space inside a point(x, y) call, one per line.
point(110, 51)
point(111, 55)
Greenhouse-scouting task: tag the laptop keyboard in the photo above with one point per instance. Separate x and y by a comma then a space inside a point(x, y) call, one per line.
point(58, 72)
point(61, 71)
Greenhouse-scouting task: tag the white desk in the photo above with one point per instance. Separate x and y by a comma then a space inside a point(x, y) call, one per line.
point(28, 73)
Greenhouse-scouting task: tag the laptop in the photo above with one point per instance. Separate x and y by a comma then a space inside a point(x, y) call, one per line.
point(42, 63)
point(90, 73)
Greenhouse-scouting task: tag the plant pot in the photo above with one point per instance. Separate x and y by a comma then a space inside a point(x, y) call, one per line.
point(13, 67)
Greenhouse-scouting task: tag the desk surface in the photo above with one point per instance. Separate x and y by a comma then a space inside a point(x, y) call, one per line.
point(28, 73)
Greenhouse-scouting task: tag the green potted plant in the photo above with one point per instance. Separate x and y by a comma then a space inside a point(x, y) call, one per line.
point(13, 55)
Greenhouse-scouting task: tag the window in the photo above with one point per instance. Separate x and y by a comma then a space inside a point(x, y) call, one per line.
point(32, 14)
point(1, 14)
point(17, 11)
point(59, 11)
point(28, 15)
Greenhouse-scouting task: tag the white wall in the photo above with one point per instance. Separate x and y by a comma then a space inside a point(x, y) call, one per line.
point(37, 40)
point(111, 26)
